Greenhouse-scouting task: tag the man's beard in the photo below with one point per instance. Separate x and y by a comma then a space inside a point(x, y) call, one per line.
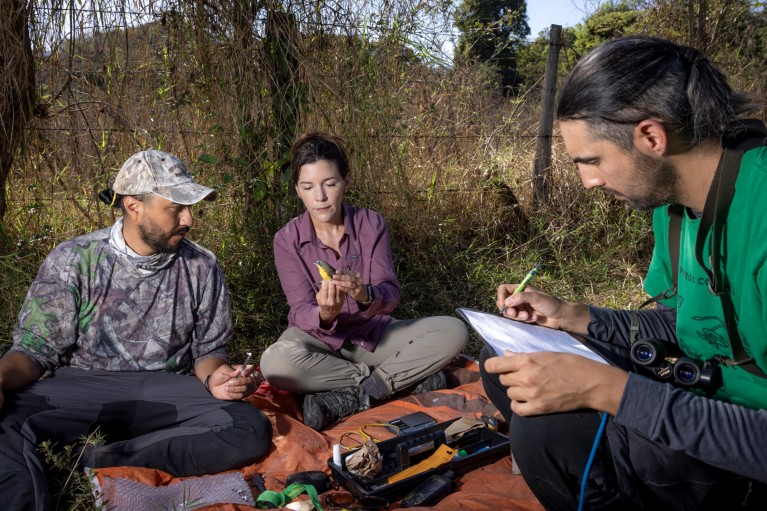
point(659, 183)
point(158, 240)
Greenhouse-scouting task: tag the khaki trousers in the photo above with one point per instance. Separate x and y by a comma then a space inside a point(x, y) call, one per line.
point(409, 351)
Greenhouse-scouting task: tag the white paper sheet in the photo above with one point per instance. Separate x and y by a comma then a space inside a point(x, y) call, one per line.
point(502, 334)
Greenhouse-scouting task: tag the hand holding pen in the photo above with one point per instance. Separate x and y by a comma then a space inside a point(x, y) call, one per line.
point(522, 285)
point(543, 309)
point(255, 373)
point(228, 382)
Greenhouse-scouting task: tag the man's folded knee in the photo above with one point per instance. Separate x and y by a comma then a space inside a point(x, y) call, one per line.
point(257, 446)
point(253, 429)
point(554, 436)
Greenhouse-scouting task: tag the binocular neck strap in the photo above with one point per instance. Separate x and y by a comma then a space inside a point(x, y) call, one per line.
point(713, 220)
point(675, 212)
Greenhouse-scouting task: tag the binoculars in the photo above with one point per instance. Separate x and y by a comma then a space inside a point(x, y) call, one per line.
point(682, 371)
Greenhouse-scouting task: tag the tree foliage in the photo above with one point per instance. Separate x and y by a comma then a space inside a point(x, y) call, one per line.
point(610, 20)
point(493, 31)
point(733, 33)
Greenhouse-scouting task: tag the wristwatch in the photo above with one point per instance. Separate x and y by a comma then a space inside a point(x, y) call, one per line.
point(371, 295)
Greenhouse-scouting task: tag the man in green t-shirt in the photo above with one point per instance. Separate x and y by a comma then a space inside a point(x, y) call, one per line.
point(642, 119)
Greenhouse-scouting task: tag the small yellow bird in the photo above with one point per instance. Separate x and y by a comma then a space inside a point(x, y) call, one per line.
point(326, 271)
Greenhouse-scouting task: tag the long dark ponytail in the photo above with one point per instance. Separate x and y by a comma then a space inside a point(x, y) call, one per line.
point(630, 79)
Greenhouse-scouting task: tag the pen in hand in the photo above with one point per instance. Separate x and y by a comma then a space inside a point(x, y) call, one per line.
point(523, 284)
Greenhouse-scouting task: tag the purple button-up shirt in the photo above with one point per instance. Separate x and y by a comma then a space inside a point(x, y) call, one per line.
point(365, 248)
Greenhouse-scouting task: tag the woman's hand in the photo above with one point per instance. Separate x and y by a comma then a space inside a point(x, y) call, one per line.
point(351, 283)
point(331, 299)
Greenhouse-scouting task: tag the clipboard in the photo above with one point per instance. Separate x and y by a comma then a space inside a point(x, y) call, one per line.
point(502, 334)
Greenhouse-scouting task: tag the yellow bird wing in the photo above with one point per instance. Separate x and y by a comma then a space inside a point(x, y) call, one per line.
point(326, 271)
point(324, 274)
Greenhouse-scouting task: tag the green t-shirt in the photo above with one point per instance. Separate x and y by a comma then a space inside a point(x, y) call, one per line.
point(700, 327)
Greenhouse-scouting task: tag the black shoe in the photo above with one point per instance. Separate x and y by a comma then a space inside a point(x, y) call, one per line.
point(325, 408)
point(436, 381)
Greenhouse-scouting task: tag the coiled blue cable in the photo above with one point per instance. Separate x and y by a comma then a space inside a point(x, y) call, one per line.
point(591, 460)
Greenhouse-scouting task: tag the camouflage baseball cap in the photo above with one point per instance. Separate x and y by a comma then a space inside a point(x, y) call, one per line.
point(161, 173)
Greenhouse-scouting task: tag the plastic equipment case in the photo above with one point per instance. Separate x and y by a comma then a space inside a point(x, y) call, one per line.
point(481, 447)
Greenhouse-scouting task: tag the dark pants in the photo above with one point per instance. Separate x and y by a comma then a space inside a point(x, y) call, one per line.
point(629, 471)
point(149, 419)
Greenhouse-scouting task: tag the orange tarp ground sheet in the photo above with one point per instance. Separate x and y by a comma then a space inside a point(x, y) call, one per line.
point(297, 448)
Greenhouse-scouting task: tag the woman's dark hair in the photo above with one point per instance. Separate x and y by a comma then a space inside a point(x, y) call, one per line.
point(313, 147)
point(627, 80)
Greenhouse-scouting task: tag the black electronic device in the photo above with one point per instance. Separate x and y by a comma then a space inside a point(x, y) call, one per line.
point(258, 482)
point(435, 488)
point(317, 478)
point(412, 421)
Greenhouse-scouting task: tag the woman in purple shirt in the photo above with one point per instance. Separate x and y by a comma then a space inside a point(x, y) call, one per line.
point(341, 348)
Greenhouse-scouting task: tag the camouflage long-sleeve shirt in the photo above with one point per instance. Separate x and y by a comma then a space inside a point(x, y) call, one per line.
point(93, 306)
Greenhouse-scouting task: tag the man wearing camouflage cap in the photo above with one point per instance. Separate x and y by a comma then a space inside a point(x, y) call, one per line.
point(121, 318)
